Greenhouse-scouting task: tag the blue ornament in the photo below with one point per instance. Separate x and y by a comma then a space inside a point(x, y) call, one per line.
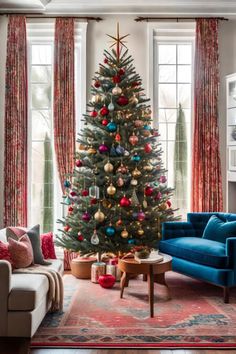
point(110, 231)
point(67, 183)
point(113, 151)
point(67, 201)
point(112, 127)
point(120, 150)
point(147, 127)
point(136, 158)
point(131, 241)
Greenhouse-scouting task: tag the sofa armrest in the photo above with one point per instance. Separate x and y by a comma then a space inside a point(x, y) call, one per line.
point(5, 288)
point(174, 229)
point(231, 252)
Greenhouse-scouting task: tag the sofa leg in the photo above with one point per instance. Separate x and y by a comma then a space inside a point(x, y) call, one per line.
point(226, 295)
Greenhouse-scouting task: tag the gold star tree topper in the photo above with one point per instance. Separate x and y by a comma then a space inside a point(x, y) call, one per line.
point(118, 41)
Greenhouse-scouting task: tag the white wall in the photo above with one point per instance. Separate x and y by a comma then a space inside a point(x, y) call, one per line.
point(227, 50)
point(97, 41)
point(3, 36)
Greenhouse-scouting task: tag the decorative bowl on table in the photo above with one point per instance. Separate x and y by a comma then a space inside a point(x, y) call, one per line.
point(142, 252)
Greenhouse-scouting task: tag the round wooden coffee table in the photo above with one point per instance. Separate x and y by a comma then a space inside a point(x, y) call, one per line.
point(151, 271)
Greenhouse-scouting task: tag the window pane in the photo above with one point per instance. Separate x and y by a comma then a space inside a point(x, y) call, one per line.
point(167, 96)
point(167, 115)
point(162, 131)
point(37, 162)
point(184, 73)
point(170, 163)
point(41, 96)
point(171, 132)
point(184, 54)
point(167, 73)
point(41, 54)
point(41, 124)
point(41, 74)
point(166, 54)
point(184, 95)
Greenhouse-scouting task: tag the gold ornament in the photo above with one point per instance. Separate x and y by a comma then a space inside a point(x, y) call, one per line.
point(108, 167)
point(146, 133)
point(96, 99)
point(136, 173)
point(133, 182)
point(111, 190)
point(92, 151)
point(116, 90)
point(148, 168)
point(134, 99)
point(99, 216)
point(124, 233)
point(138, 123)
point(140, 232)
point(106, 204)
point(163, 206)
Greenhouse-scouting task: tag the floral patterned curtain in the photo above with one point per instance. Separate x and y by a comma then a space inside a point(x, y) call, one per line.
point(15, 163)
point(64, 103)
point(206, 167)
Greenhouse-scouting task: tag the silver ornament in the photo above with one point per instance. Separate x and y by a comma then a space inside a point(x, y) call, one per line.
point(94, 239)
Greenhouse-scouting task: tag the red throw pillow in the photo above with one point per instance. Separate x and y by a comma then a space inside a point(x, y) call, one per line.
point(47, 246)
point(21, 252)
point(4, 252)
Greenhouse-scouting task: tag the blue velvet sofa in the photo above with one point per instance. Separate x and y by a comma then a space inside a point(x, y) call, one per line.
point(204, 259)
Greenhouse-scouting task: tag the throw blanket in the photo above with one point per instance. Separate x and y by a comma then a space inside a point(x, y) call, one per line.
point(55, 293)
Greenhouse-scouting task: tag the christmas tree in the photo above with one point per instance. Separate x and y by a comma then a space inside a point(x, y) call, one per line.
point(118, 195)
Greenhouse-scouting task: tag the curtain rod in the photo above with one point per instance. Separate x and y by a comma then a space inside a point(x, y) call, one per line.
point(140, 19)
point(32, 15)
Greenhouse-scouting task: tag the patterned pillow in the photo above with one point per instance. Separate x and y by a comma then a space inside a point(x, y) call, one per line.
point(15, 232)
point(4, 252)
point(21, 252)
point(47, 246)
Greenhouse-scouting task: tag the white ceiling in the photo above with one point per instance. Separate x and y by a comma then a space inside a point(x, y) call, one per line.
point(136, 7)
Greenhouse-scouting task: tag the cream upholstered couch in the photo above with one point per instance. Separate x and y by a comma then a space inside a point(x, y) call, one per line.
point(23, 299)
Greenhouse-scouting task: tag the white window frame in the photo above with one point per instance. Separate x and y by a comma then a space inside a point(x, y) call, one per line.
point(168, 33)
point(41, 31)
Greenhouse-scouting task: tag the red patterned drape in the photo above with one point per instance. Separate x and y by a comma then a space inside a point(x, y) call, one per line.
point(206, 168)
point(64, 103)
point(15, 164)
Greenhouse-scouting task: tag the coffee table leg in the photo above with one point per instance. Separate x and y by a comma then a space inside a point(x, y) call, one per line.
point(123, 281)
point(151, 291)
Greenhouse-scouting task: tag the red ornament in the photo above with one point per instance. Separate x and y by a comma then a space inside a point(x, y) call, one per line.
point(97, 84)
point(148, 191)
point(80, 236)
point(125, 202)
point(158, 196)
point(135, 83)
point(105, 122)
point(70, 209)
point(141, 216)
point(79, 163)
point(133, 139)
point(116, 79)
point(168, 203)
point(66, 228)
point(105, 61)
point(104, 111)
point(106, 281)
point(122, 100)
point(73, 194)
point(93, 114)
point(147, 148)
point(119, 222)
point(117, 137)
point(85, 193)
point(121, 72)
point(93, 201)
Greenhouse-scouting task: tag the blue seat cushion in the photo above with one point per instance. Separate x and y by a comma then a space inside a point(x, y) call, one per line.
point(197, 250)
point(219, 230)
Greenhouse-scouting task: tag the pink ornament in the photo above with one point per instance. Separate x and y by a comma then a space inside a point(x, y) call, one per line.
point(158, 196)
point(141, 216)
point(86, 217)
point(103, 149)
point(125, 202)
point(79, 163)
point(147, 148)
point(133, 139)
point(148, 191)
point(163, 179)
point(138, 123)
point(104, 111)
point(106, 281)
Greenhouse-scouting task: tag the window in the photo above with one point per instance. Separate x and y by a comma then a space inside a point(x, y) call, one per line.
point(172, 68)
point(45, 193)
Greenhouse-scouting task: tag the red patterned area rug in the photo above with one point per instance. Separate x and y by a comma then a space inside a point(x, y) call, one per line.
point(95, 317)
